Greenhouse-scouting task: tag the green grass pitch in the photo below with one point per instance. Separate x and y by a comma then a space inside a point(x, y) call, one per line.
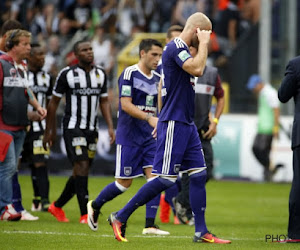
point(241, 211)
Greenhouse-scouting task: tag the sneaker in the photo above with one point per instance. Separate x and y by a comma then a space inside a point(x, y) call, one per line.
point(92, 216)
point(83, 219)
point(118, 227)
point(164, 213)
point(36, 205)
point(210, 238)
point(180, 211)
point(57, 212)
point(155, 230)
point(10, 214)
point(28, 216)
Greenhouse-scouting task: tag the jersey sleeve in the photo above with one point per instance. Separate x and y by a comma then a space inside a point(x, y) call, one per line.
point(61, 84)
point(125, 84)
point(181, 55)
point(219, 91)
point(50, 89)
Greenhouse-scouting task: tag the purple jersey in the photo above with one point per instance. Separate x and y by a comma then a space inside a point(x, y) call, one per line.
point(143, 91)
point(178, 104)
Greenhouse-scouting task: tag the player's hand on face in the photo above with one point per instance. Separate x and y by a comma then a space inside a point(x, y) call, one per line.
point(203, 35)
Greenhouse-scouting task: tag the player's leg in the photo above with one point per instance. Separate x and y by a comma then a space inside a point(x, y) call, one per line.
point(195, 164)
point(128, 160)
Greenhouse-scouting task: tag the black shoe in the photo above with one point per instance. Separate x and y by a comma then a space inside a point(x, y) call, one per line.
point(180, 211)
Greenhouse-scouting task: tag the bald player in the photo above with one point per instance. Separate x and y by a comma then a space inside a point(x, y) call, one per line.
point(178, 144)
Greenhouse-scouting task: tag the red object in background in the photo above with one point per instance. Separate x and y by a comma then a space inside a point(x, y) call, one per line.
point(5, 141)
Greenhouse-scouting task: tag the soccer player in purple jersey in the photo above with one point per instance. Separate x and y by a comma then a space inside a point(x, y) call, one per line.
point(178, 144)
point(135, 143)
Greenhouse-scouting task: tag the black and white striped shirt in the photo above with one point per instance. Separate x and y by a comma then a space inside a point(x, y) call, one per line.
point(83, 91)
point(40, 84)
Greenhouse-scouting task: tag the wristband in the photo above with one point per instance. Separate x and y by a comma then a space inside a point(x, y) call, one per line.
point(216, 120)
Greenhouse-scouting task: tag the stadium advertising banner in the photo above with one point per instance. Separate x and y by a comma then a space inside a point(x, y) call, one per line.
point(233, 149)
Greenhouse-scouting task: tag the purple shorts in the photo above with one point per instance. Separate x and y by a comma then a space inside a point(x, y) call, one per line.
point(131, 160)
point(178, 149)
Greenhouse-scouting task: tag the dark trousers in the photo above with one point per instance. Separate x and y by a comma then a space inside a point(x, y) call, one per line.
point(261, 149)
point(294, 201)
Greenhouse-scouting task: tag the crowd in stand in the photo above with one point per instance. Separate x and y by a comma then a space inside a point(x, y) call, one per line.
point(110, 24)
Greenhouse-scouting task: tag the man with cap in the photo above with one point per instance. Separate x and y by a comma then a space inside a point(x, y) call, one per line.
point(268, 122)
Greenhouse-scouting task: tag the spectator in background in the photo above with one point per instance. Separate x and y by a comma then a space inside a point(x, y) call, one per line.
point(185, 8)
point(53, 60)
point(268, 123)
point(104, 53)
point(13, 114)
point(226, 27)
point(79, 14)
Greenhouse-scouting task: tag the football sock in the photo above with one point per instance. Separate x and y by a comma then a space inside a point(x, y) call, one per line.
point(67, 193)
point(111, 191)
point(34, 182)
point(42, 182)
point(198, 200)
point(81, 187)
point(151, 210)
point(170, 193)
point(17, 197)
point(145, 194)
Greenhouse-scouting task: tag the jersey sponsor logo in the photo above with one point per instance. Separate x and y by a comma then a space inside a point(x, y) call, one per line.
point(149, 100)
point(204, 89)
point(126, 90)
point(127, 171)
point(79, 141)
point(87, 91)
point(146, 108)
point(14, 82)
point(183, 55)
point(38, 89)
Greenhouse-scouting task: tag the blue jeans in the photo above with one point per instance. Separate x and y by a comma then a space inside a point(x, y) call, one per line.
point(9, 167)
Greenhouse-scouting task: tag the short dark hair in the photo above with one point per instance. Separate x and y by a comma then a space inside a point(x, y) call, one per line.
point(34, 45)
point(10, 25)
point(76, 45)
point(146, 44)
point(173, 28)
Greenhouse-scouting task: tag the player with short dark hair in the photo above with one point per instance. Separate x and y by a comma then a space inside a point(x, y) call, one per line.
point(85, 88)
point(135, 144)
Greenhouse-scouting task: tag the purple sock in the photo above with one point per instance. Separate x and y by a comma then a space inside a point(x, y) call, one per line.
point(170, 193)
point(17, 197)
point(198, 200)
point(111, 191)
point(152, 206)
point(145, 194)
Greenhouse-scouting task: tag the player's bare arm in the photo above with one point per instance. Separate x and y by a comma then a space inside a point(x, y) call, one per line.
point(50, 131)
point(196, 65)
point(105, 110)
point(132, 110)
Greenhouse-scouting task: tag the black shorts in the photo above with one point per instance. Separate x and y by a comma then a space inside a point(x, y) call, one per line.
point(81, 145)
point(33, 150)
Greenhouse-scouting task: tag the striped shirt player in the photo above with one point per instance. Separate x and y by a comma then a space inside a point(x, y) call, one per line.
point(178, 143)
point(33, 151)
point(84, 86)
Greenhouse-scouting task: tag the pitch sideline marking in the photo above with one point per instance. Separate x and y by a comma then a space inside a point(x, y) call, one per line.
point(106, 235)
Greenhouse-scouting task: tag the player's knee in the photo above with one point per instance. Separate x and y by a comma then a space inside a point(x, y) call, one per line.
point(199, 175)
point(123, 184)
point(167, 181)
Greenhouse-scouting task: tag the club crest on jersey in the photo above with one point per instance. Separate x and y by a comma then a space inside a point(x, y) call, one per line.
point(126, 90)
point(183, 55)
point(149, 100)
point(127, 171)
point(177, 168)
